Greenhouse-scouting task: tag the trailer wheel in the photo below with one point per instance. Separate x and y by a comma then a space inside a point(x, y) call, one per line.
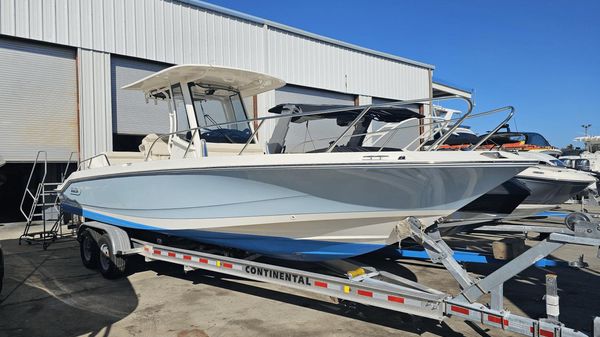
point(111, 266)
point(88, 249)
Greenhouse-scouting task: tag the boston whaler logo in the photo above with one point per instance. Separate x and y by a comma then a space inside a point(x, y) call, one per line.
point(277, 275)
point(75, 191)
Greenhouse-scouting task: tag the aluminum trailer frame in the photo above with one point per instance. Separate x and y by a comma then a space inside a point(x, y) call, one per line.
point(369, 286)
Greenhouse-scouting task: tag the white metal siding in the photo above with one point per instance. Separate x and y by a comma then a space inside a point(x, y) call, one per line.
point(131, 114)
point(95, 122)
point(38, 100)
point(309, 62)
point(174, 32)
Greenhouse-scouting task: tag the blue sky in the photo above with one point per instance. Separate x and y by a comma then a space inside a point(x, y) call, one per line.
point(543, 57)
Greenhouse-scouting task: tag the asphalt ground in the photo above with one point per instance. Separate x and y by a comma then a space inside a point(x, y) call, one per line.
point(50, 293)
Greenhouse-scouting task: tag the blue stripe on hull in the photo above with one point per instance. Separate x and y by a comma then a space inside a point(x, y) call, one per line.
point(279, 247)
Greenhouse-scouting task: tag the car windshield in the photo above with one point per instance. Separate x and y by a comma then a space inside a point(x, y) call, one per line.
point(218, 106)
point(536, 139)
point(582, 164)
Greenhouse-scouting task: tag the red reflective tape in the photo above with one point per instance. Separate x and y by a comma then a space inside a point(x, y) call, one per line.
point(531, 329)
point(320, 284)
point(505, 322)
point(395, 299)
point(495, 319)
point(365, 293)
point(460, 310)
point(546, 333)
point(171, 254)
point(187, 257)
point(227, 265)
point(203, 260)
point(157, 252)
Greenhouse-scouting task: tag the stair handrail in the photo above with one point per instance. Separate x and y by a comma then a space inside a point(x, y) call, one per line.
point(27, 190)
point(69, 161)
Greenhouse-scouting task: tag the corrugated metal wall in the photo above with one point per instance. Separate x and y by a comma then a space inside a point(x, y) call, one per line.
point(309, 62)
point(174, 32)
point(177, 32)
point(95, 120)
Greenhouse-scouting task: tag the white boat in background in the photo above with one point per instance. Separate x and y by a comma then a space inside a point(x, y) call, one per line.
point(215, 185)
point(2, 161)
point(589, 159)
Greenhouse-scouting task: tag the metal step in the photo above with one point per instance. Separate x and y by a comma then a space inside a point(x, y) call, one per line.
point(43, 210)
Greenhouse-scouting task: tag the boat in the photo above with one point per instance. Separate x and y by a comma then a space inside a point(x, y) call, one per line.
point(200, 184)
point(537, 189)
point(589, 159)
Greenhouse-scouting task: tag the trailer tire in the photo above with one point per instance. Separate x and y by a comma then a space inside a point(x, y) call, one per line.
point(88, 249)
point(111, 266)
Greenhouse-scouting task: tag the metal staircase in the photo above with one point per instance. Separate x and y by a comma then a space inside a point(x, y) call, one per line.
point(45, 214)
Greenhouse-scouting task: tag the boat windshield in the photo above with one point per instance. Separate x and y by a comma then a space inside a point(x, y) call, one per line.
point(216, 106)
point(593, 148)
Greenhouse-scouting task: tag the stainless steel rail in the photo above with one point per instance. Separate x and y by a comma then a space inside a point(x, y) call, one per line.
point(455, 126)
point(89, 160)
point(498, 127)
point(313, 113)
point(511, 113)
point(392, 132)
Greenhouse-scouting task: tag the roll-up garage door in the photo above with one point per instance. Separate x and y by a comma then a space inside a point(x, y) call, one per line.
point(317, 134)
point(38, 101)
point(131, 114)
point(406, 133)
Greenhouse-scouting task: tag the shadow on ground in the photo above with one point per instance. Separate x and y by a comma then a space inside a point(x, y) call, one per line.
point(50, 293)
point(579, 289)
point(383, 317)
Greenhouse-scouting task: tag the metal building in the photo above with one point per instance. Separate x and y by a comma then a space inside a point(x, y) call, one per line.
point(62, 63)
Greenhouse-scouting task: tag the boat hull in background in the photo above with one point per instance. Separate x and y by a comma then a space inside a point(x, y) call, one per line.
point(535, 190)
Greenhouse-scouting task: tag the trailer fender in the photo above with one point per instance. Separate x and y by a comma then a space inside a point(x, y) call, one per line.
point(119, 239)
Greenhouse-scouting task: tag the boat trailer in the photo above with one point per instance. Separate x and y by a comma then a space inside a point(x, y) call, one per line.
point(367, 285)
